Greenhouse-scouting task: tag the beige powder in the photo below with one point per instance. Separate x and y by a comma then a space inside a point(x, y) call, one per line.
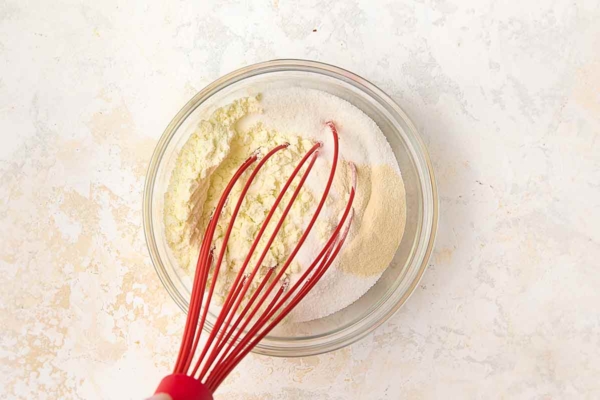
point(379, 222)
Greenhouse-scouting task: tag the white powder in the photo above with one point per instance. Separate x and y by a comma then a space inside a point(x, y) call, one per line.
point(304, 112)
point(298, 116)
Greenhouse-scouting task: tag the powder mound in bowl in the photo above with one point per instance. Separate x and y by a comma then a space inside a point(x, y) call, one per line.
point(297, 116)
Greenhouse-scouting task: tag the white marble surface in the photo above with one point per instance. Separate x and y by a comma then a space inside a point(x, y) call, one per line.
point(505, 93)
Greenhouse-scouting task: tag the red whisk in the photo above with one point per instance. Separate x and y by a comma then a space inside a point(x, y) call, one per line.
point(238, 328)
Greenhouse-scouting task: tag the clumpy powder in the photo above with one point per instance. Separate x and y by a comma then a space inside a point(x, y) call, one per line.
point(297, 116)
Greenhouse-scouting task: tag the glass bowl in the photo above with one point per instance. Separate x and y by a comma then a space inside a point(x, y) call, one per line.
point(402, 276)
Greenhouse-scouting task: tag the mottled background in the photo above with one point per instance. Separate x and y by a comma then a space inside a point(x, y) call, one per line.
point(505, 93)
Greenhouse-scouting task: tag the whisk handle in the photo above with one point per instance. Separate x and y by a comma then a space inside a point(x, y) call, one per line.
point(183, 387)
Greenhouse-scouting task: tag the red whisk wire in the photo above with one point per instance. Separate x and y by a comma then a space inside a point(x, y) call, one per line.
point(302, 239)
point(236, 332)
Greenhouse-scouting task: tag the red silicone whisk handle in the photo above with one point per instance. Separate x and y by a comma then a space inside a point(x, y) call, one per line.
point(183, 387)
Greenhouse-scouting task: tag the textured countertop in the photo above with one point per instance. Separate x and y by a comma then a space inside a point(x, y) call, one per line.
point(505, 93)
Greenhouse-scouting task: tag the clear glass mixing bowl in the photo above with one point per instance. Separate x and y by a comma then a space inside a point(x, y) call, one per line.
point(403, 274)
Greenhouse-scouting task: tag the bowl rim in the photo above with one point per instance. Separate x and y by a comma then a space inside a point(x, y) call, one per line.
point(279, 65)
